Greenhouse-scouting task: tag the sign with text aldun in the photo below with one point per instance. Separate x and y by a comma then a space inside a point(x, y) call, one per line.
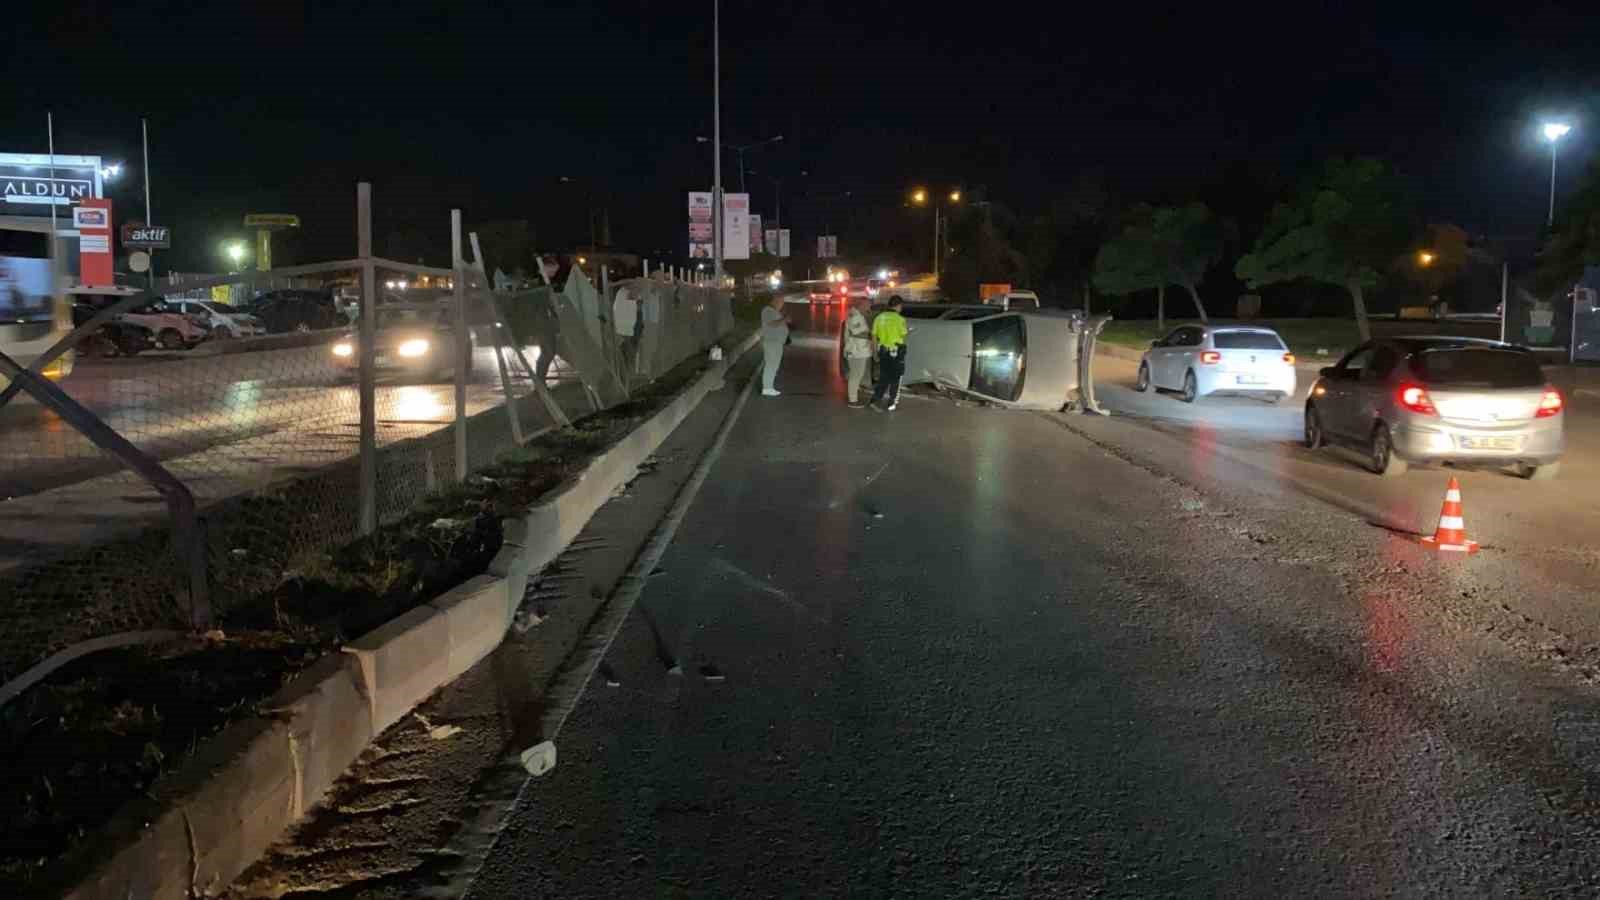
point(30, 183)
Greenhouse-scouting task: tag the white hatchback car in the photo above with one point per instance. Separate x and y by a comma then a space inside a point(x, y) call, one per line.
point(1199, 360)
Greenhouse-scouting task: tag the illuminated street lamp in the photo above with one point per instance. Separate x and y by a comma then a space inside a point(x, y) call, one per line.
point(919, 197)
point(235, 252)
point(1425, 259)
point(1554, 132)
point(111, 171)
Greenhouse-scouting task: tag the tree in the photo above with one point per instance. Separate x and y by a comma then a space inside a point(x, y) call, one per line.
point(981, 236)
point(1161, 246)
point(1345, 226)
point(1574, 243)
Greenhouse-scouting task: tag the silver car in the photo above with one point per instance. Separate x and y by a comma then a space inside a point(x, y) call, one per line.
point(1440, 399)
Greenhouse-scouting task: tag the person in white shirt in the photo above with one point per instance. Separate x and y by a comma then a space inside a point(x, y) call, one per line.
point(774, 335)
point(857, 351)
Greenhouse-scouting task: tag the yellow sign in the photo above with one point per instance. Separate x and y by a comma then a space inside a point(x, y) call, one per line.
point(271, 220)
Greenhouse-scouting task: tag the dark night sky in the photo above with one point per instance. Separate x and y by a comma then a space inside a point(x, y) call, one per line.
point(281, 107)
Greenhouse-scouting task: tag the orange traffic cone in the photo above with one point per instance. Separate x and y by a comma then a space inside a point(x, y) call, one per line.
point(1451, 535)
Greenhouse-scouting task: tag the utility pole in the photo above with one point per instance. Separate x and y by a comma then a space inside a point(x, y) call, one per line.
point(144, 127)
point(716, 138)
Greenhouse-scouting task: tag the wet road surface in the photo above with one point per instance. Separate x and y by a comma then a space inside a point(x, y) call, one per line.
point(954, 651)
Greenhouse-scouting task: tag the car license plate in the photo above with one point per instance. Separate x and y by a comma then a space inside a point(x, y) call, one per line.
point(1489, 443)
point(1252, 379)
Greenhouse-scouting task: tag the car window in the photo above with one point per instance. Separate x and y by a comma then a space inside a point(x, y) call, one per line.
point(1477, 367)
point(1193, 337)
point(1174, 338)
point(1246, 340)
point(1381, 363)
point(999, 347)
point(1356, 360)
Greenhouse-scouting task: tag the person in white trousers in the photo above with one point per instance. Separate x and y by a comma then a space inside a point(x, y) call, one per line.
point(857, 351)
point(774, 335)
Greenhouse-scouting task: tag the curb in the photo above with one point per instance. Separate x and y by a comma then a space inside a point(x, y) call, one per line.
point(259, 776)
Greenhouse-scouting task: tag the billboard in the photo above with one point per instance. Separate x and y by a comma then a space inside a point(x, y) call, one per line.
point(735, 226)
point(827, 246)
point(30, 183)
point(772, 240)
point(757, 245)
point(783, 243)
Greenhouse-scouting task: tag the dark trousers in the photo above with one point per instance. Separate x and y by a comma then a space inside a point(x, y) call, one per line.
point(891, 365)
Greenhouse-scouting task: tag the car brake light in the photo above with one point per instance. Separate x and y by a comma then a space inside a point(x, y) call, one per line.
point(1289, 358)
point(1210, 357)
point(1416, 399)
point(1550, 404)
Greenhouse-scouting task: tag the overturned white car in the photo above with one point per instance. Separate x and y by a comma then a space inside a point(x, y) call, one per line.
point(1029, 360)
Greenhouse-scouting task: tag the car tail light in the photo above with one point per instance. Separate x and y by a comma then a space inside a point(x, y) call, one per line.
point(1416, 399)
point(1550, 404)
point(1210, 357)
point(1289, 358)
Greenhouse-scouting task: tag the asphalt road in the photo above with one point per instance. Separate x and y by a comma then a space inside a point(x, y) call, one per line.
point(955, 651)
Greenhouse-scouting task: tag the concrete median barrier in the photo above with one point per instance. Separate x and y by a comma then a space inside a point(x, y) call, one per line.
point(253, 781)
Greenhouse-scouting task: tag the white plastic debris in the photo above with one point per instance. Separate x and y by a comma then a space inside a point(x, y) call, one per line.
point(444, 732)
point(716, 354)
point(540, 758)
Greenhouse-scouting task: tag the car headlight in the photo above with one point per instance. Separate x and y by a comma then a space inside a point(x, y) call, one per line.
point(414, 348)
point(343, 348)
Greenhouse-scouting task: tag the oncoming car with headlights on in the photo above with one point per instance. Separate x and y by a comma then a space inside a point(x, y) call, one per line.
point(414, 339)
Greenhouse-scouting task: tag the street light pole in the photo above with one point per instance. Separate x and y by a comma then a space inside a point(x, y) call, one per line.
point(1554, 132)
point(144, 128)
point(716, 138)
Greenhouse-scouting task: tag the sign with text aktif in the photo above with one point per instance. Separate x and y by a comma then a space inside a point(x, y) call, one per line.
point(146, 237)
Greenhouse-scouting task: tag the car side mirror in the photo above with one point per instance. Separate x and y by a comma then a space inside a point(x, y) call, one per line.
point(1329, 371)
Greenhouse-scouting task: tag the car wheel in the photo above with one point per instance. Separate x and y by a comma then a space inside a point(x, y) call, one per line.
point(169, 339)
point(1539, 473)
point(1191, 388)
point(1381, 455)
point(1315, 437)
point(1142, 383)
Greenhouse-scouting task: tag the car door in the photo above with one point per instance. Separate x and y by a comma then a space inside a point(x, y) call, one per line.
point(1183, 357)
point(1342, 384)
point(1159, 356)
point(1371, 394)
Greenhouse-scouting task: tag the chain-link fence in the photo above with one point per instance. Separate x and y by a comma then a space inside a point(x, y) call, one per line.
point(197, 450)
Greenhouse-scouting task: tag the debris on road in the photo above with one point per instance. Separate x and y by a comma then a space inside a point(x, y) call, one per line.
point(539, 759)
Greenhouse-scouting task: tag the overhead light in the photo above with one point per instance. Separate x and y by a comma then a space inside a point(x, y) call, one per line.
point(1555, 131)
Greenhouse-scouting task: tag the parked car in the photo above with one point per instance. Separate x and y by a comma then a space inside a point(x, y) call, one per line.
point(1200, 360)
point(416, 339)
point(172, 329)
point(296, 309)
point(1437, 400)
point(113, 338)
point(221, 319)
